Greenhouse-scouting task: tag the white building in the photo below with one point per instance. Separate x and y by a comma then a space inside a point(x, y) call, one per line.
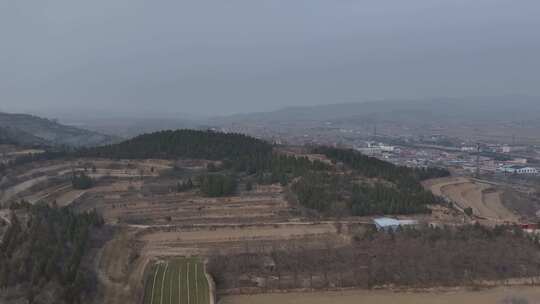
point(386, 223)
point(510, 149)
point(386, 148)
point(521, 170)
point(376, 149)
point(370, 151)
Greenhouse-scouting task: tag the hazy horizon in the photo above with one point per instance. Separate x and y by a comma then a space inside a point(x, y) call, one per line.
point(208, 58)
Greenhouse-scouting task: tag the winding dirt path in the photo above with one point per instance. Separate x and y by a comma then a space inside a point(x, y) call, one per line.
point(484, 198)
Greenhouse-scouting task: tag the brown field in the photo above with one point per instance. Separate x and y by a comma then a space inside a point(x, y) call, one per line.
point(488, 296)
point(134, 194)
point(206, 240)
point(49, 181)
point(185, 208)
point(238, 233)
point(120, 268)
point(484, 198)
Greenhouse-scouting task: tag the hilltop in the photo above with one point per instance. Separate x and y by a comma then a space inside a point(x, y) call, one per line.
point(318, 186)
point(24, 129)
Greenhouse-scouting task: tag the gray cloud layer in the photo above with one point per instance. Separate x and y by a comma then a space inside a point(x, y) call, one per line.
point(216, 57)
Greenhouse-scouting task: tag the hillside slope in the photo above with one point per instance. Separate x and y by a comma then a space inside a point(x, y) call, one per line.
point(13, 136)
point(26, 129)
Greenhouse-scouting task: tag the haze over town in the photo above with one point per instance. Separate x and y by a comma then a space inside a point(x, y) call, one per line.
point(205, 58)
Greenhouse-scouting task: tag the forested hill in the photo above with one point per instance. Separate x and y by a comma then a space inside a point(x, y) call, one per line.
point(41, 255)
point(369, 186)
point(392, 189)
point(23, 129)
point(13, 136)
point(367, 166)
point(237, 148)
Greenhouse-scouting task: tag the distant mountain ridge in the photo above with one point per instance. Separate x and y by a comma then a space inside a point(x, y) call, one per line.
point(471, 108)
point(24, 129)
point(512, 119)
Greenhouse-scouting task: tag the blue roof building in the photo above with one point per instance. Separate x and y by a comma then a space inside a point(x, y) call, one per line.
point(387, 223)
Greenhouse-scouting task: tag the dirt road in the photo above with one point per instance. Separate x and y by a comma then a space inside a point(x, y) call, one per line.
point(490, 296)
point(484, 198)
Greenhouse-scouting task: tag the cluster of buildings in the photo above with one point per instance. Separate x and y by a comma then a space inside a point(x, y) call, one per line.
point(408, 150)
point(461, 159)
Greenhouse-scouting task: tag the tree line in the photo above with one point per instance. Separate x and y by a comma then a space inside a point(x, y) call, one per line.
point(285, 168)
point(381, 199)
point(32, 157)
point(216, 185)
point(43, 254)
point(347, 194)
point(237, 151)
point(375, 168)
point(81, 181)
point(392, 190)
point(428, 257)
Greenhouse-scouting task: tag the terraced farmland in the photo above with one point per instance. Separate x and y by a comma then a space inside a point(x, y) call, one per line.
point(178, 281)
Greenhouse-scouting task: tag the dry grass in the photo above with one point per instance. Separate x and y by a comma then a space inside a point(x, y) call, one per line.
point(485, 199)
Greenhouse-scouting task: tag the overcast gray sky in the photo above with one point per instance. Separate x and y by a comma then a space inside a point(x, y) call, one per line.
point(221, 57)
